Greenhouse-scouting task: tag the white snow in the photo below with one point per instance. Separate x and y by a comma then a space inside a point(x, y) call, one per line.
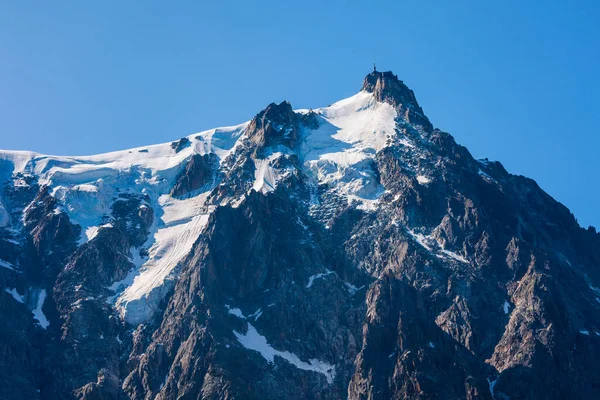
point(92, 231)
point(506, 307)
point(491, 385)
point(86, 185)
point(431, 345)
point(340, 151)
point(235, 311)
point(238, 313)
point(486, 177)
point(252, 340)
point(265, 176)
point(179, 227)
point(256, 315)
point(423, 180)
point(6, 264)
point(352, 289)
point(38, 314)
point(420, 238)
point(594, 288)
point(455, 256)
point(312, 278)
point(13, 292)
point(585, 332)
point(85, 188)
point(428, 243)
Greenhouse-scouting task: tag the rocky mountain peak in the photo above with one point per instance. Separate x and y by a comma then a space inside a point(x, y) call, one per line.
point(343, 252)
point(387, 88)
point(276, 124)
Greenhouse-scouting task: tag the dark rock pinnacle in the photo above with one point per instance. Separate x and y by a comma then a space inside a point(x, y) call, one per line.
point(387, 88)
point(276, 124)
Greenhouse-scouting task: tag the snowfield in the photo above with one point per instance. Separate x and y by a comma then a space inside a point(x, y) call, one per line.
point(351, 132)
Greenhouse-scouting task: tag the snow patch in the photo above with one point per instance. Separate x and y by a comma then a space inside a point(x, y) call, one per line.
point(252, 340)
point(179, 227)
point(13, 292)
point(312, 278)
point(235, 311)
point(38, 314)
point(264, 177)
point(351, 288)
point(341, 151)
point(92, 231)
point(455, 256)
point(6, 264)
point(256, 315)
point(506, 307)
point(491, 386)
point(420, 238)
point(423, 180)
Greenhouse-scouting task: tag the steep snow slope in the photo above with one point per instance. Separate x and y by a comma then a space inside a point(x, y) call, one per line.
point(339, 152)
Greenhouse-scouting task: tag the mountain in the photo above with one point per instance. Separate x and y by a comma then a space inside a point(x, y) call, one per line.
point(351, 251)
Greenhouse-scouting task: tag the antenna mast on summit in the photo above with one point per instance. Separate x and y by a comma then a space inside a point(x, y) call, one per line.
point(374, 68)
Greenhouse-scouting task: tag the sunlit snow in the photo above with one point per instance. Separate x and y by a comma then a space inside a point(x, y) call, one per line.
point(423, 180)
point(180, 225)
point(340, 151)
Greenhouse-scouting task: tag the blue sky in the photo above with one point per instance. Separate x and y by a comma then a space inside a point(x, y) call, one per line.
point(513, 81)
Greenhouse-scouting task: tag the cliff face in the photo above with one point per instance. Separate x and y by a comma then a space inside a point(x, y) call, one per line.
point(352, 251)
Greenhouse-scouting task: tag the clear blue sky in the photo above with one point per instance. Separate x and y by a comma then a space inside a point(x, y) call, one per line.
point(513, 81)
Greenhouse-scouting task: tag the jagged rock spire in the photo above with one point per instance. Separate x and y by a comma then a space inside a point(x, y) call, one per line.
point(386, 87)
point(279, 124)
point(276, 124)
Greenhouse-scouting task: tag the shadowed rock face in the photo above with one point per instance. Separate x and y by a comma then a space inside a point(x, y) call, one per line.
point(180, 144)
point(199, 171)
point(458, 280)
point(276, 124)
